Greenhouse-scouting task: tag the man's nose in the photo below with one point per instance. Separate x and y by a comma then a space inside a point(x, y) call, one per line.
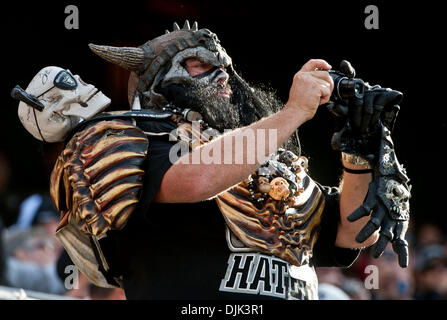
point(222, 77)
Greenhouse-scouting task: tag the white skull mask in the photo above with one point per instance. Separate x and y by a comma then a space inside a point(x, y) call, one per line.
point(66, 101)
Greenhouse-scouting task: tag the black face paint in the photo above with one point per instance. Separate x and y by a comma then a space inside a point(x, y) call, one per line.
point(213, 73)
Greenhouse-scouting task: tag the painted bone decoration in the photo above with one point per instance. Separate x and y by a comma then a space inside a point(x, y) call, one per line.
point(279, 189)
point(98, 177)
point(277, 210)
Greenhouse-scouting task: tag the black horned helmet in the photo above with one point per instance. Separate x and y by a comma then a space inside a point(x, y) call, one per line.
point(161, 60)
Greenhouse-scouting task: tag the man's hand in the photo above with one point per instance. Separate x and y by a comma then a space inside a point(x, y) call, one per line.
point(312, 86)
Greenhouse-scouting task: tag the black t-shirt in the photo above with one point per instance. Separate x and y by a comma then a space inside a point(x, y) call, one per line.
point(181, 251)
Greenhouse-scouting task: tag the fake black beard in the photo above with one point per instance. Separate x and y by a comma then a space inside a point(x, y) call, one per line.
point(217, 112)
point(247, 104)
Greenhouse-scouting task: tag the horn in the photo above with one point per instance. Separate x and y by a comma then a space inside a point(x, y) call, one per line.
point(186, 25)
point(176, 26)
point(195, 26)
point(129, 58)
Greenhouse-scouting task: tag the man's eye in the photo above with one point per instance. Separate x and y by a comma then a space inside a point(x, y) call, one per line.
point(195, 63)
point(198, 64)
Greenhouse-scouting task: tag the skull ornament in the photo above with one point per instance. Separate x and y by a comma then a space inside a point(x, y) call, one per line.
point(288, 157)
point(263, 185)
point(65, 101)
point(278, 224)
point(398, 195)
point(279, 188)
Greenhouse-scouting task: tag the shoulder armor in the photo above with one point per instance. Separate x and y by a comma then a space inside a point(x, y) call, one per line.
point(285, 226)
point(141, 117)
point(98, 176)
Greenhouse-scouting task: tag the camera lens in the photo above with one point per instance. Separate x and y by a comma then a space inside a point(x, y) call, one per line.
point(346, 88)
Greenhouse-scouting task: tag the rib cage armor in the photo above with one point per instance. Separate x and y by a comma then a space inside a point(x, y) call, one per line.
point(98, 176)
point(286, 228)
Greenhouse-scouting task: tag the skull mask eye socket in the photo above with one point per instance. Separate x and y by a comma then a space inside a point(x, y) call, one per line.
point(64, 80)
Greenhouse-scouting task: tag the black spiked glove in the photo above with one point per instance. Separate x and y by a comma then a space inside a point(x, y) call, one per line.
point(388, 203)
point(363, 126)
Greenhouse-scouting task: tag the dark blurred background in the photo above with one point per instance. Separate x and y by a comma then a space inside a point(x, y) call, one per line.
point(268, 42)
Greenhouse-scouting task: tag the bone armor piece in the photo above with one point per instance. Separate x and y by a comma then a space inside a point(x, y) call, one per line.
point(279, 188)
point(98, 176)
point(269, 217)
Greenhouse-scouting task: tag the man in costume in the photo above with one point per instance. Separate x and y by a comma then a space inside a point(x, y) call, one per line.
point(139, 212)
